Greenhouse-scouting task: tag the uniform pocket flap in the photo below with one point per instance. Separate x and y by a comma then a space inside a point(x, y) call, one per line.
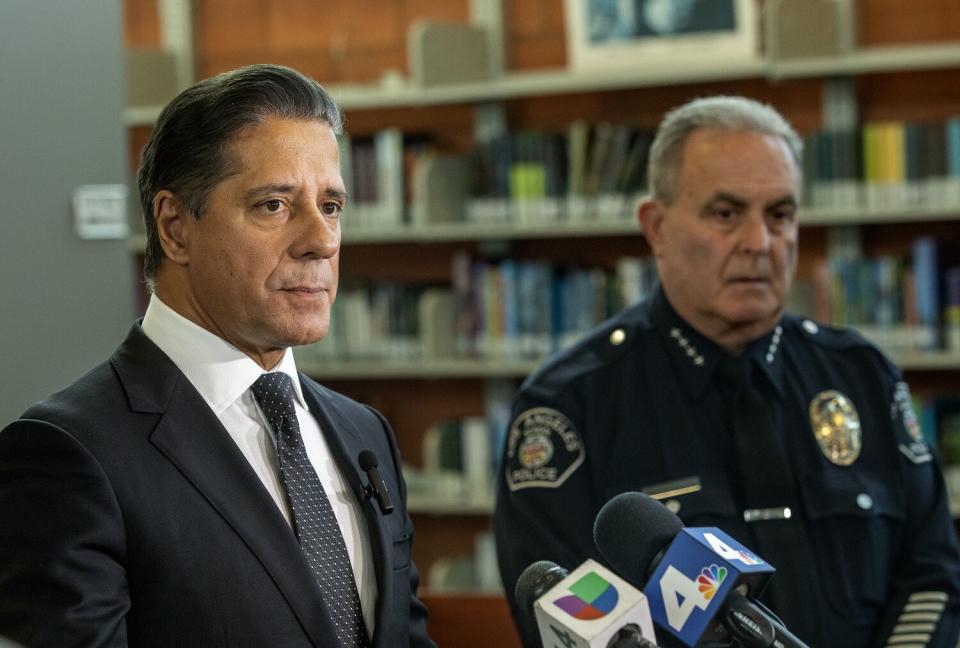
point(843, 491)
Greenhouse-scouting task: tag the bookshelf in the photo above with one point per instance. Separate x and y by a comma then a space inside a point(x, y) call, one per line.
point(939, 361)
point(885, 78)
point(452, 232)
point(520, 84)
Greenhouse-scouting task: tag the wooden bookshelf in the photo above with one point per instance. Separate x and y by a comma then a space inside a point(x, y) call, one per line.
point(453, 232)
point(527, 83)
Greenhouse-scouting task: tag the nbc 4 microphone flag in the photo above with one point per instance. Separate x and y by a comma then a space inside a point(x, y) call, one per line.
point(589, 607)
point(695, 576)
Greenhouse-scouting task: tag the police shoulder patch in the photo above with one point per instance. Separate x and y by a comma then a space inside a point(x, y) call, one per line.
point(910, 440)
point(543, 449)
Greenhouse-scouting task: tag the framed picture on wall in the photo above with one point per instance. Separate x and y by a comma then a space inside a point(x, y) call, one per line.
point(618, 33)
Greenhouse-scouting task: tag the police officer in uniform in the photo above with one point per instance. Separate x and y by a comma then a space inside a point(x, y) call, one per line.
point(797, 439)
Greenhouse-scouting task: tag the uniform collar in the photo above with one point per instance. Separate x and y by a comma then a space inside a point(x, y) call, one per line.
point(696, 357)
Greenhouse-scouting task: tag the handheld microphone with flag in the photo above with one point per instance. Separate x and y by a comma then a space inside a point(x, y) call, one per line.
point(590, 607)
point(698, 580)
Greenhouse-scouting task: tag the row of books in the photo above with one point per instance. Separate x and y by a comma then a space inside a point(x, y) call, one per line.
point(598, 172)
point(494, 309)
point(459, 463)
point(516, 309)
point(885, 164)
point(588, 172)
point(467, 573)
point(899, 302)
point(377, 173)
point(460, 456)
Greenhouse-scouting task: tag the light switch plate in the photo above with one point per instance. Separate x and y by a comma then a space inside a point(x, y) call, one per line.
point(100, 211)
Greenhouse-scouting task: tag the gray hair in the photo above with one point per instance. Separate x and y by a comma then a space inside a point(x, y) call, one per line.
point(188, 150)
point(725, 113)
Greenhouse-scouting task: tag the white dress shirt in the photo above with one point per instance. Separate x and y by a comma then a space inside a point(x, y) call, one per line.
point(223, 375)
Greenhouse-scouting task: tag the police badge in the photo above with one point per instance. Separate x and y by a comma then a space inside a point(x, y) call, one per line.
point(836, 427)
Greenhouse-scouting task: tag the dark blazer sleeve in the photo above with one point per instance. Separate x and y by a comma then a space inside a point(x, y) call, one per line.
point(62, 543)
point(417, 626)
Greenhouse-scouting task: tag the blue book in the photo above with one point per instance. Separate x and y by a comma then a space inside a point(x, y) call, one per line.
point(926, 289)
point(543, 274)
point(509, 307)
point(953, 147)
point(559, 299)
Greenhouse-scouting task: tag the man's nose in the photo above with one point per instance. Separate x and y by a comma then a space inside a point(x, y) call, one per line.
point(319, 236)
point(755, 235)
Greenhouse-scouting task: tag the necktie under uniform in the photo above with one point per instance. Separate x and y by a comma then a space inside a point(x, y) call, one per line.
point(314, 522)
point(770, 496)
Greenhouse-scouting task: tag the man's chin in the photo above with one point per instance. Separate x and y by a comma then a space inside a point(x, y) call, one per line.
point(304, 335)
point(761, 318)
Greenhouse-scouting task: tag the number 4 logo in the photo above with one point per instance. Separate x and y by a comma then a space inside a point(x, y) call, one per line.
point(681, 596)
point(727, 552)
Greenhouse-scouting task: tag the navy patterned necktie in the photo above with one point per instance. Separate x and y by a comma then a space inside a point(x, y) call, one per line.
point(313, 519)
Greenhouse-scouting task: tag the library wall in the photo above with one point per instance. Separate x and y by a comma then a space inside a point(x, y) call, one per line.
point(337, 41)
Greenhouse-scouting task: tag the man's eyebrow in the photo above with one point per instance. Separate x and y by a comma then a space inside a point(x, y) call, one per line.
point(739, 202)
point(788, 200)
point(279, 188)
point(723, 196)
point(336, 194)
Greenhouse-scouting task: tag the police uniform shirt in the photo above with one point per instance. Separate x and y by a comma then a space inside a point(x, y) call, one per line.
point(637, 404)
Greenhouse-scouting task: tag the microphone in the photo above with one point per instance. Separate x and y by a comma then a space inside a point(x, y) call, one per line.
point(532, 584)
point(376, 488)
point(696, 579)
point(590, 607)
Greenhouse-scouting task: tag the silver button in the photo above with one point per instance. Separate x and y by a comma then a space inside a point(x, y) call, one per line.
point(673, 506)
point(864, 501)
point(617, 337)
point(810, 327)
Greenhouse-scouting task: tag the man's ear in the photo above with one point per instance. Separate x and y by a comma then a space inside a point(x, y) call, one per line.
point(650, 214)
point(171, 218)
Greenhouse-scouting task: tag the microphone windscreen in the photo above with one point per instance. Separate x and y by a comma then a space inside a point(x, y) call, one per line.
point(367, 460)
point(535, 581)
point(630, 530)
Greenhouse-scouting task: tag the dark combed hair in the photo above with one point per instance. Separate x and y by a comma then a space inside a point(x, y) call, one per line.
point(188, 151)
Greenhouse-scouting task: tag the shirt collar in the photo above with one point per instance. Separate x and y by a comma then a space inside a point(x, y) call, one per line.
point(696, 356)
point(216, 368)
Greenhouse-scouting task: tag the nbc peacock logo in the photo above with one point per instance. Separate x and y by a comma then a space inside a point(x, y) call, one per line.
point(592, 598)
point(710, 579)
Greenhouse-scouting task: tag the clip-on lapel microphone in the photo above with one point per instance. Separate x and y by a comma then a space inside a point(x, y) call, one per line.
point(376, 488)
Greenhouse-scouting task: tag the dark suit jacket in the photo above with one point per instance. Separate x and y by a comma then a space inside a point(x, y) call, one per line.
point(128, 516)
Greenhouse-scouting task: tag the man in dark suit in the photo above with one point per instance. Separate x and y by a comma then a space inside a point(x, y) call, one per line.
point(196, 490)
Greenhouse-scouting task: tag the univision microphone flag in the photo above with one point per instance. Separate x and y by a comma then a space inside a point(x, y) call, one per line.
point(589, 607)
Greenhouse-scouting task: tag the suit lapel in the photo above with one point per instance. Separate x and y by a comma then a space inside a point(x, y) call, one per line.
point(346, 442)
point(193, 439)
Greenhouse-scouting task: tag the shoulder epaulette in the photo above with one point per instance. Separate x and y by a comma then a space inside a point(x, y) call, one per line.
point(835, 338)
point(595, 350)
